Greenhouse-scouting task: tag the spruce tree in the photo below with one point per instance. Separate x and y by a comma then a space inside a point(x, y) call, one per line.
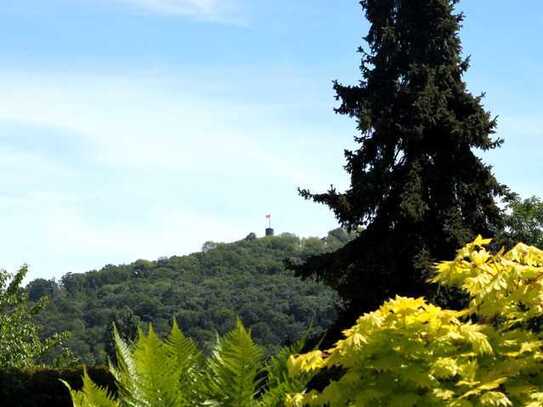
point(418, 190)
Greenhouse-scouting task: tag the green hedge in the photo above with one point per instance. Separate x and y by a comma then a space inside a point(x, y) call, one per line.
point(41, 387)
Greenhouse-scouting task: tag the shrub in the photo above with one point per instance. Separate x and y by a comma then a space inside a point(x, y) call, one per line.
point(20, 341)
point(41, 387)
point(412, 353)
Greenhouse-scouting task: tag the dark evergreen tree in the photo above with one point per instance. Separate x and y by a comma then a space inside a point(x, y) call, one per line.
point(418, 191)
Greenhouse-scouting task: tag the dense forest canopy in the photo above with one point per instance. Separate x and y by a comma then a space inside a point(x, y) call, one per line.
point(204, 291)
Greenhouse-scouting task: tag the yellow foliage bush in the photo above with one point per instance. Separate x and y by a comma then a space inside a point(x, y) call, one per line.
point(412, 353)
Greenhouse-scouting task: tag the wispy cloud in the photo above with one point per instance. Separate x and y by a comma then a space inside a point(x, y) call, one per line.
point(130, 122)
point(106, 169)
point(220, 10)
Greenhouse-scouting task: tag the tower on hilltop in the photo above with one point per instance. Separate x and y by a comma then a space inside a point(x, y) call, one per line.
point(269, 229)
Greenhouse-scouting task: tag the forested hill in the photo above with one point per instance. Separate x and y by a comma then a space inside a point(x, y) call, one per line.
point(204, 291)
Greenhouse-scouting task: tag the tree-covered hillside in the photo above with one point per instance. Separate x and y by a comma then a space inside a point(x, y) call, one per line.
point(205, 292)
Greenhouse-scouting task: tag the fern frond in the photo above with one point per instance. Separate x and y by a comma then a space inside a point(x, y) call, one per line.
point(146, 373)
point(157, 372)
point(233, 369)
point(190, 363)
point(78, 398)
point(183, 349)
point(91, 395)
point(125, 372)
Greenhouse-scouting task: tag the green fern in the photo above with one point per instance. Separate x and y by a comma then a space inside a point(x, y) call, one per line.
point(157, 376)
point(233, 369)
point(190, 362)
point(91, 395)
point(174, 373)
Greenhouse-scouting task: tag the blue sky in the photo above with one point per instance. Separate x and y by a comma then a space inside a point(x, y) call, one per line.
point(142, 128)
